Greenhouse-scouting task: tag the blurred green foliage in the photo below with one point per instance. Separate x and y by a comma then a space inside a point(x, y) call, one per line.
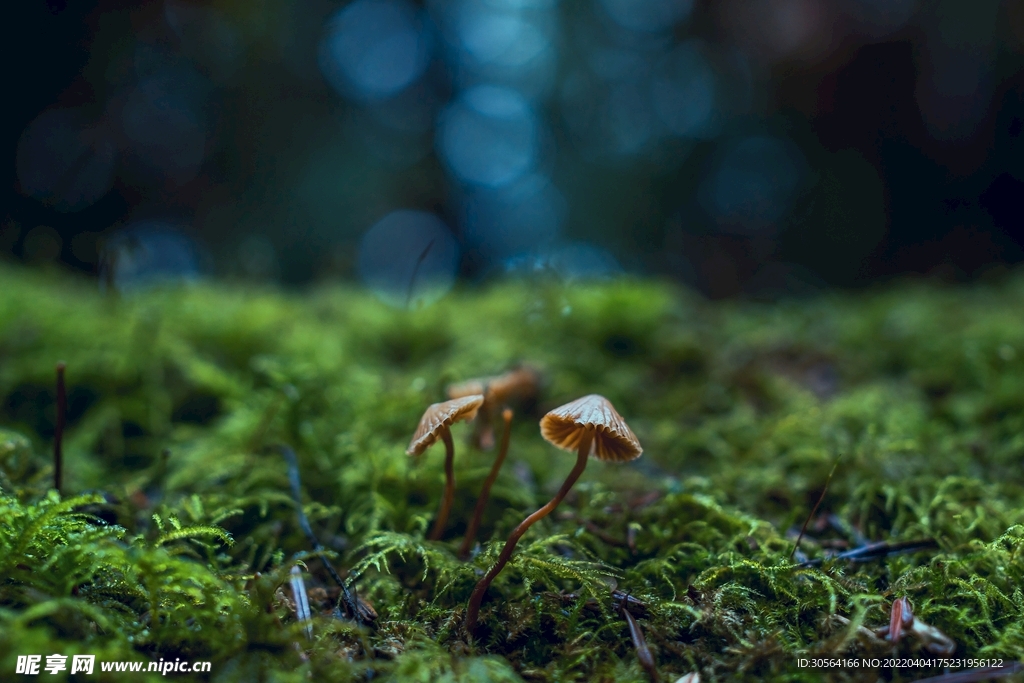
point(742, 408)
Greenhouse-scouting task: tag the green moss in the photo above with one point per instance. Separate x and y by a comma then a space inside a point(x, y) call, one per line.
point(742, 409)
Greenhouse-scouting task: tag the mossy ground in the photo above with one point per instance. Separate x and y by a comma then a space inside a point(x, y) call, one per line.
point(742, 409)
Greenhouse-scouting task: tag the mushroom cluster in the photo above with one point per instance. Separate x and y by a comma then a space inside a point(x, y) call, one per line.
point(589, 426)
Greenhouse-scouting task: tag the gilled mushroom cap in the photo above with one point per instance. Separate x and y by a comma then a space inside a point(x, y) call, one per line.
point(440, 416)
point(613, 439)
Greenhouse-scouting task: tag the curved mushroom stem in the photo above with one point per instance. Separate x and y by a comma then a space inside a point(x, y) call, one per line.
point(449, 487)
point(485, 492)
point(473, 609)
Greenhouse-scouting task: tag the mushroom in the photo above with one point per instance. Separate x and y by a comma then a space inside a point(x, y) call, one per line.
point(519, 383)
point(485, 491)
point(588, 425)
point(435, 424)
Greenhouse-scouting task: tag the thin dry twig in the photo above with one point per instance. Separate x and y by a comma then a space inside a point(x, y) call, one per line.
point(807, 521)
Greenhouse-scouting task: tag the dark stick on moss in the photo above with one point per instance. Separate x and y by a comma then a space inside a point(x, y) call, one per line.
point(485, 492)
point(58, 432)
point(874, 551)
point(807, 521)
point(294, 480)
point(643, 653)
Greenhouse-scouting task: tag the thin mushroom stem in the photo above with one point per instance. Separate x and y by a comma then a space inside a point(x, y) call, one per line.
point(449, 487)
point(473, 609)
point(485, 492)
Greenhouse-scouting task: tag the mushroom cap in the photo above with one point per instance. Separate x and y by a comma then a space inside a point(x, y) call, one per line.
point(438, 417)
point(520, 382)
point(614, 441)
point(471, 387)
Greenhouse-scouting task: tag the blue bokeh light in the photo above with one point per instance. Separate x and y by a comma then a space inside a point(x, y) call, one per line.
point(521, 217)
point(499, 43)
point(64, 162)
point(408, 259)
point(683, 92)
point(490, 36)
point(570, 262)
point(374, 49)
point(753, 184)
point(610, 121)
point(146, 254)
point(629, 121)
point(647, 16)
point(614, 63)
point(397, 131)
point(489, 136)
point(163, 119)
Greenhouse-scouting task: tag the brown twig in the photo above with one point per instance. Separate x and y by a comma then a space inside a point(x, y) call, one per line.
point(815, 508)
point(58, 432)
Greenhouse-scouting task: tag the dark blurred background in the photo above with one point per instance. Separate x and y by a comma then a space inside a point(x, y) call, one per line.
point(745, 147)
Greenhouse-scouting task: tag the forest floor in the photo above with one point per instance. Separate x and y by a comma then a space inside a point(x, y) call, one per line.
point(176, 531)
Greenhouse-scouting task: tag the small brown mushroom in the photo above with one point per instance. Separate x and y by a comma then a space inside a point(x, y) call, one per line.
point(517, 384)
point(588, 425)
point(435, 424)
point(485, 491)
